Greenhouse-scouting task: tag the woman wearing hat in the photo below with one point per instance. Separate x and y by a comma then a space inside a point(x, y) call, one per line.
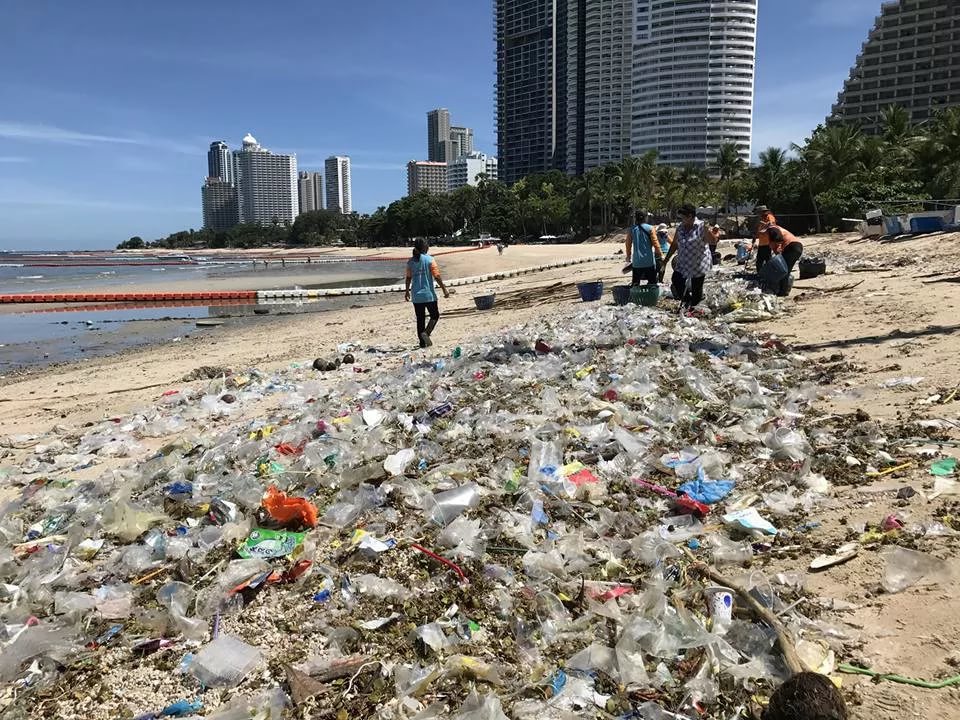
point(761, 240)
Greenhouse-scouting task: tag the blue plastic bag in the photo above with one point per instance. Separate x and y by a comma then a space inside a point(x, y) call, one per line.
point(708, 492)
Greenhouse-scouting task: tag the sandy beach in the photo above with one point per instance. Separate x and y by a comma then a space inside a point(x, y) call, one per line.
point(880, 315)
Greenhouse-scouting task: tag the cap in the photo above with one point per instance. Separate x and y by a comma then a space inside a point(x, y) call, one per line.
point(662, 226)
point(761, 209)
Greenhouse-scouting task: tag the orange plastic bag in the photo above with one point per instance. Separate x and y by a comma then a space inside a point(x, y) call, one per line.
point(289, 511)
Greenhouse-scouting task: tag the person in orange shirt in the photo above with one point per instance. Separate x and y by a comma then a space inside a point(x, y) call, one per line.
point(785, 244)
point(766, 219)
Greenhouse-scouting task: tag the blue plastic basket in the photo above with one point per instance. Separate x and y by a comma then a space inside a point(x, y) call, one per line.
point(591, 291)
point(484, 302)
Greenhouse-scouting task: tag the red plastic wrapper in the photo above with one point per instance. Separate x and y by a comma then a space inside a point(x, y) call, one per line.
point(289, 511)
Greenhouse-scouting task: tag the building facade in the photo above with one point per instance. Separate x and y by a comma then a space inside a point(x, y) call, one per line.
point(266, 184)
point(220, 204)
point(310, 191)
point(531, 86)
point(438, 132)
point(462, 139)
point(599, 82)
point(465, 170)
point(220, 161)
point(911, 58)
point(693, 78)
point(338, 184)
point(426, 175)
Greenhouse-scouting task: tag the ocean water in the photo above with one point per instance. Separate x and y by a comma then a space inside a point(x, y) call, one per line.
point(41, 334)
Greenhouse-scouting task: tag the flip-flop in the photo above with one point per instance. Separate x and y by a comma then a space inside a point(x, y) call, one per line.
point(842, 554)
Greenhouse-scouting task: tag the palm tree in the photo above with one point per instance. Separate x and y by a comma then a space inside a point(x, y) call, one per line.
point(729, 165)
point(835, 153)
point(941, 154)
point(637, 180)
point(690, 179)
point(668, 181)
point(771, 174)
point(809, 173)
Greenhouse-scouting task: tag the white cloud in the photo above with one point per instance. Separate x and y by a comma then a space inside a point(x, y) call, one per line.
point(13, 159)
point(63, 136)
point(20, 193)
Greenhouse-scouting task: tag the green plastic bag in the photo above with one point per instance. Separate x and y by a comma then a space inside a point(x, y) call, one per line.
point(944, 467)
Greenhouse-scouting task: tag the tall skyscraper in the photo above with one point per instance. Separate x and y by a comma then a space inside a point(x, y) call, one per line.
point(310, 191)
point(462, 139)
point(531, 86)
point(337, 170)
point(220, 161)
point(465, 169)
point(438, 132)
point(693, 71)
point(598, 82)
point(426, 175)
point(266, 184)
point(220, 209)
point(911, 58)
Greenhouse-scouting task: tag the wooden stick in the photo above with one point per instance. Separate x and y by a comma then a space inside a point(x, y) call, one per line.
point(787, 648)
point(829, 290)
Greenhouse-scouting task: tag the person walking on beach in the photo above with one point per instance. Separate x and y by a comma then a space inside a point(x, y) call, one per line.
point(643, 251)
point(422, 270)
point(693, 258)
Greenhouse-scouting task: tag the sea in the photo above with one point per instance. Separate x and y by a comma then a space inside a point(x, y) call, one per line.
point(39, 334)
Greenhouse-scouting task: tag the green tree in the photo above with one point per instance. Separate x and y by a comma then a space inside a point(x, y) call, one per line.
point(134, 243)
point(729, 165)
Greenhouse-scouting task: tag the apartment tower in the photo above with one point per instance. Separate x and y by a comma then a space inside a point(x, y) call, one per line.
point(310, 191)
point(531, 86)
point(266, 184)
point(911, 58)
point(337, 170)
point(426, 175)
point(599, 82)
point(693, 72)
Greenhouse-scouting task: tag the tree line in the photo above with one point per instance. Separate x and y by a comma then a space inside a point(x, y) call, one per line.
point(838, 172)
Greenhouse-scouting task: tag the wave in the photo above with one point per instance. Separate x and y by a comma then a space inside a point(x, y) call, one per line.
point(11, 264)
point(29, 277)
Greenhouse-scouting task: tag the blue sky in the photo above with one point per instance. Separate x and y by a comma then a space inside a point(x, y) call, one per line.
point(107, 106)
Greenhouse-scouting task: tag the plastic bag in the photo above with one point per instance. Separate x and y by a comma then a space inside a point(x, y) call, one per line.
point(128, 521)
point(289, 511)
point(177, 597)
point(905, 568)
point(475, 707)
point(444, 507)
point(396, 464)
point(224, 662)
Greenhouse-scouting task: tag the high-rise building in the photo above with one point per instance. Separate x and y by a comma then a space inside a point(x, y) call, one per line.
point(337, 170)
point(599, 82)
point(266, 184)
point(310, 191)
point(531, 86)
point(466, 169)
point(693, 72)
point(426, 175)
point(220, 208)
point(462, 139)
point(438, 131)
point(911, 58)
point(220, 161)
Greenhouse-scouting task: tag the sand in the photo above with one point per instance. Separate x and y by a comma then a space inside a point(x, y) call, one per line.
point(891, 326)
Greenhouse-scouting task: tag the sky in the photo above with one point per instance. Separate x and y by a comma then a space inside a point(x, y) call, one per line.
point(107, 107)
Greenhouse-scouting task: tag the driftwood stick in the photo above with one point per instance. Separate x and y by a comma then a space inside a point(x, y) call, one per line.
point(787, 647)
point(829, 290)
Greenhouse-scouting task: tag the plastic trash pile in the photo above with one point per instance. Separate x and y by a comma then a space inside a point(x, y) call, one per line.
point(510, 532)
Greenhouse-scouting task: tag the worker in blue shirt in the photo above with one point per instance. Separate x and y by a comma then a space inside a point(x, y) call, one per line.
point(643, 252)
